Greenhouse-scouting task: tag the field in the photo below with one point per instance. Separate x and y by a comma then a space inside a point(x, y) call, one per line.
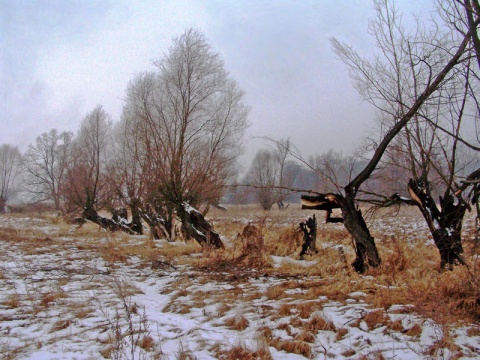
point(83, 293)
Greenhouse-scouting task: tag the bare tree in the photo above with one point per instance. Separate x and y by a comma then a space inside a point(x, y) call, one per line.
point(379, 82)
point(10, 169)
point(190, 117)
point(87, 186)
point(262, 175)
point(46, 166)
point(287, 171)
point(271, 175)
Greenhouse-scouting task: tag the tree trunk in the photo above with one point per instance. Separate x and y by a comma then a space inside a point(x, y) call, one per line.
point(3, 206)
point(309, 229)
point(195, 226)
point(136, 224)
point(108, 224)
point(365, 248)
point(445, 224)
point(158, 226)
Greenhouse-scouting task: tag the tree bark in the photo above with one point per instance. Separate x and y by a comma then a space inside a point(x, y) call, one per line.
point(365, 248)
point(195, 226)
point(445, 224)
point(309, 229)
point(115, 224)
point(158, 226)
point(3, 206)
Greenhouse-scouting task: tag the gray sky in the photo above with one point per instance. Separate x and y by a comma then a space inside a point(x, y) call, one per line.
point(59, 59)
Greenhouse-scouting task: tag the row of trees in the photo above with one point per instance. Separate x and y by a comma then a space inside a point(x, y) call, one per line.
point(174, 148)
point(177, 140)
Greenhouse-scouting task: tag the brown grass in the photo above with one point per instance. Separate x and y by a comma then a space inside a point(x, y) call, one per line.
point(12, 301)
point(46, 299)
point(238, 322)
point(294, 347)
point(415, 331)
point(306, 309)
point(241, 352)
point(341, 333)
point(275, 292)
point(320, 323)
point(409, 274)
point(375, 319)
point(61, 325)
point(285, 310)
point(147, 343)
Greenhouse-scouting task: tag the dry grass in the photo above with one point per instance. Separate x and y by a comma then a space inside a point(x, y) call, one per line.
point(238, 322)
point(241, 352)
point(318, 322)
point(294, 347)
point(46, 299)
point(12, 301)
point(375, 319)
point(409, 275)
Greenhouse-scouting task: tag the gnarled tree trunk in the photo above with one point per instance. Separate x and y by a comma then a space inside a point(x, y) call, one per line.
point(365, 248)
point(309, 229)
point(117, 223)
point(195, 226)
point(445, 223)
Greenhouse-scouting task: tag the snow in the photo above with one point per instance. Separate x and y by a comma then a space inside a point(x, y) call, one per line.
point(180, 307)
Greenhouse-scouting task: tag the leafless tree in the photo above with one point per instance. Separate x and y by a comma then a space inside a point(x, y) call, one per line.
point(331, 170)
point(46, 167)
point(287, 171)
point(262, 175)
point(271, 174)
point(190, 117)
point(10, 169)
point(380, 82)
point(87, 185)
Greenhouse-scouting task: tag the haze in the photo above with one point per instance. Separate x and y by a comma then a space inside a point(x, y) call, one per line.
point(60, 59)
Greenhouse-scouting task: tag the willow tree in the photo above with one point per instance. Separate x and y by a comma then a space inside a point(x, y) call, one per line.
point(87, 186)
point(189, 119)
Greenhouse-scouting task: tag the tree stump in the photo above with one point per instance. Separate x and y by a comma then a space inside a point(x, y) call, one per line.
point(309, 229)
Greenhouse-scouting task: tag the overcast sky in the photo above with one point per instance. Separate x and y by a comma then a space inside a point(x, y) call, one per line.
point(59, 59)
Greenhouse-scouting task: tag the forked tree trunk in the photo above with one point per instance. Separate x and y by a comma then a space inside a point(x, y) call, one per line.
point(365, 248)
point(445, 224)
point(159, 227)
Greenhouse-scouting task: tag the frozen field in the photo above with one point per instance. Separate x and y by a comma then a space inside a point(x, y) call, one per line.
point(85, 294)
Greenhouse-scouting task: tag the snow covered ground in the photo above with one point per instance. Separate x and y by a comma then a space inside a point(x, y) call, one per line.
point(61, 299)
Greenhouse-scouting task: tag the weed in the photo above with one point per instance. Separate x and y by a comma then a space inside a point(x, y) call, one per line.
point(294, 347)
point(238, 322)
point(318, 322)
point(415, 331)
point(12, 301)
point(341, 333)
point(375, 319)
